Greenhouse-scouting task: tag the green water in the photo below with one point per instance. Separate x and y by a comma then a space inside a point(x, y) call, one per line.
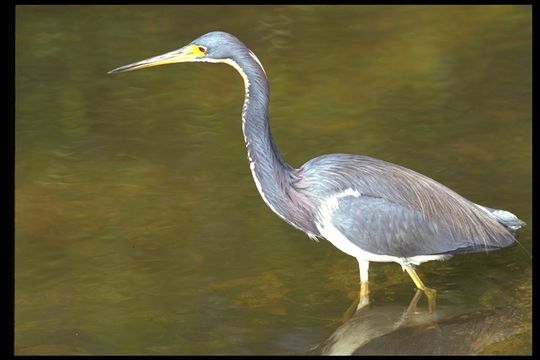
point(138, 228)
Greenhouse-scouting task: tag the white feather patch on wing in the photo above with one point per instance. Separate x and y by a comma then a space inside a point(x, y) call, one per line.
point(338, 239)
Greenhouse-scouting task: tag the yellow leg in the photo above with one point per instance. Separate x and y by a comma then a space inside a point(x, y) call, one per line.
point(364, 295)
point(363, 299)
point(431, 294)
point(363, 266)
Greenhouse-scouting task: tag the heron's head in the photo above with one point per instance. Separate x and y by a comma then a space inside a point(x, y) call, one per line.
point(216, 46)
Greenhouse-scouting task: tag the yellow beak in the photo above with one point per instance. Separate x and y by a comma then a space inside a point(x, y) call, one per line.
point(186, 54)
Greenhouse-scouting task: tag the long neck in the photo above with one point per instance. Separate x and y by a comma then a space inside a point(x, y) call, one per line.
point(270, 172)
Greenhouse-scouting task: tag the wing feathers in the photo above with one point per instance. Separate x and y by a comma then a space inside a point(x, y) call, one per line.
point(429, 217)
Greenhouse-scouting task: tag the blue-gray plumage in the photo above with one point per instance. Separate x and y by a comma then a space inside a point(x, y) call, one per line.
point(410, 213)
point(368, 208)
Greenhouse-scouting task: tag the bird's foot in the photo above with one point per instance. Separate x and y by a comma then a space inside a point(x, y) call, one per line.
point(431, 295)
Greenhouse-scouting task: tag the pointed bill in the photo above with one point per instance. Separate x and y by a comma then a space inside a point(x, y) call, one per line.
point(186, 54)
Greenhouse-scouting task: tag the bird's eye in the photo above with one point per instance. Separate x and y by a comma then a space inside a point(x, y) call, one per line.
point(201, 49)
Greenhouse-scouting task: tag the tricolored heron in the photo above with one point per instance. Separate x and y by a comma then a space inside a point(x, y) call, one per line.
point(368, 208)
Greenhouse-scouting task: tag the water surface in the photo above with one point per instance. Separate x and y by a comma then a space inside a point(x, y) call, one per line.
point(139, 230)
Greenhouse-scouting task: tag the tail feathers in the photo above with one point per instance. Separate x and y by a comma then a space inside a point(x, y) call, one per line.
point(506, 218)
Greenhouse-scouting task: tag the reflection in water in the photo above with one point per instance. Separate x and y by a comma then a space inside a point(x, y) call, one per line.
point(395, 330)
